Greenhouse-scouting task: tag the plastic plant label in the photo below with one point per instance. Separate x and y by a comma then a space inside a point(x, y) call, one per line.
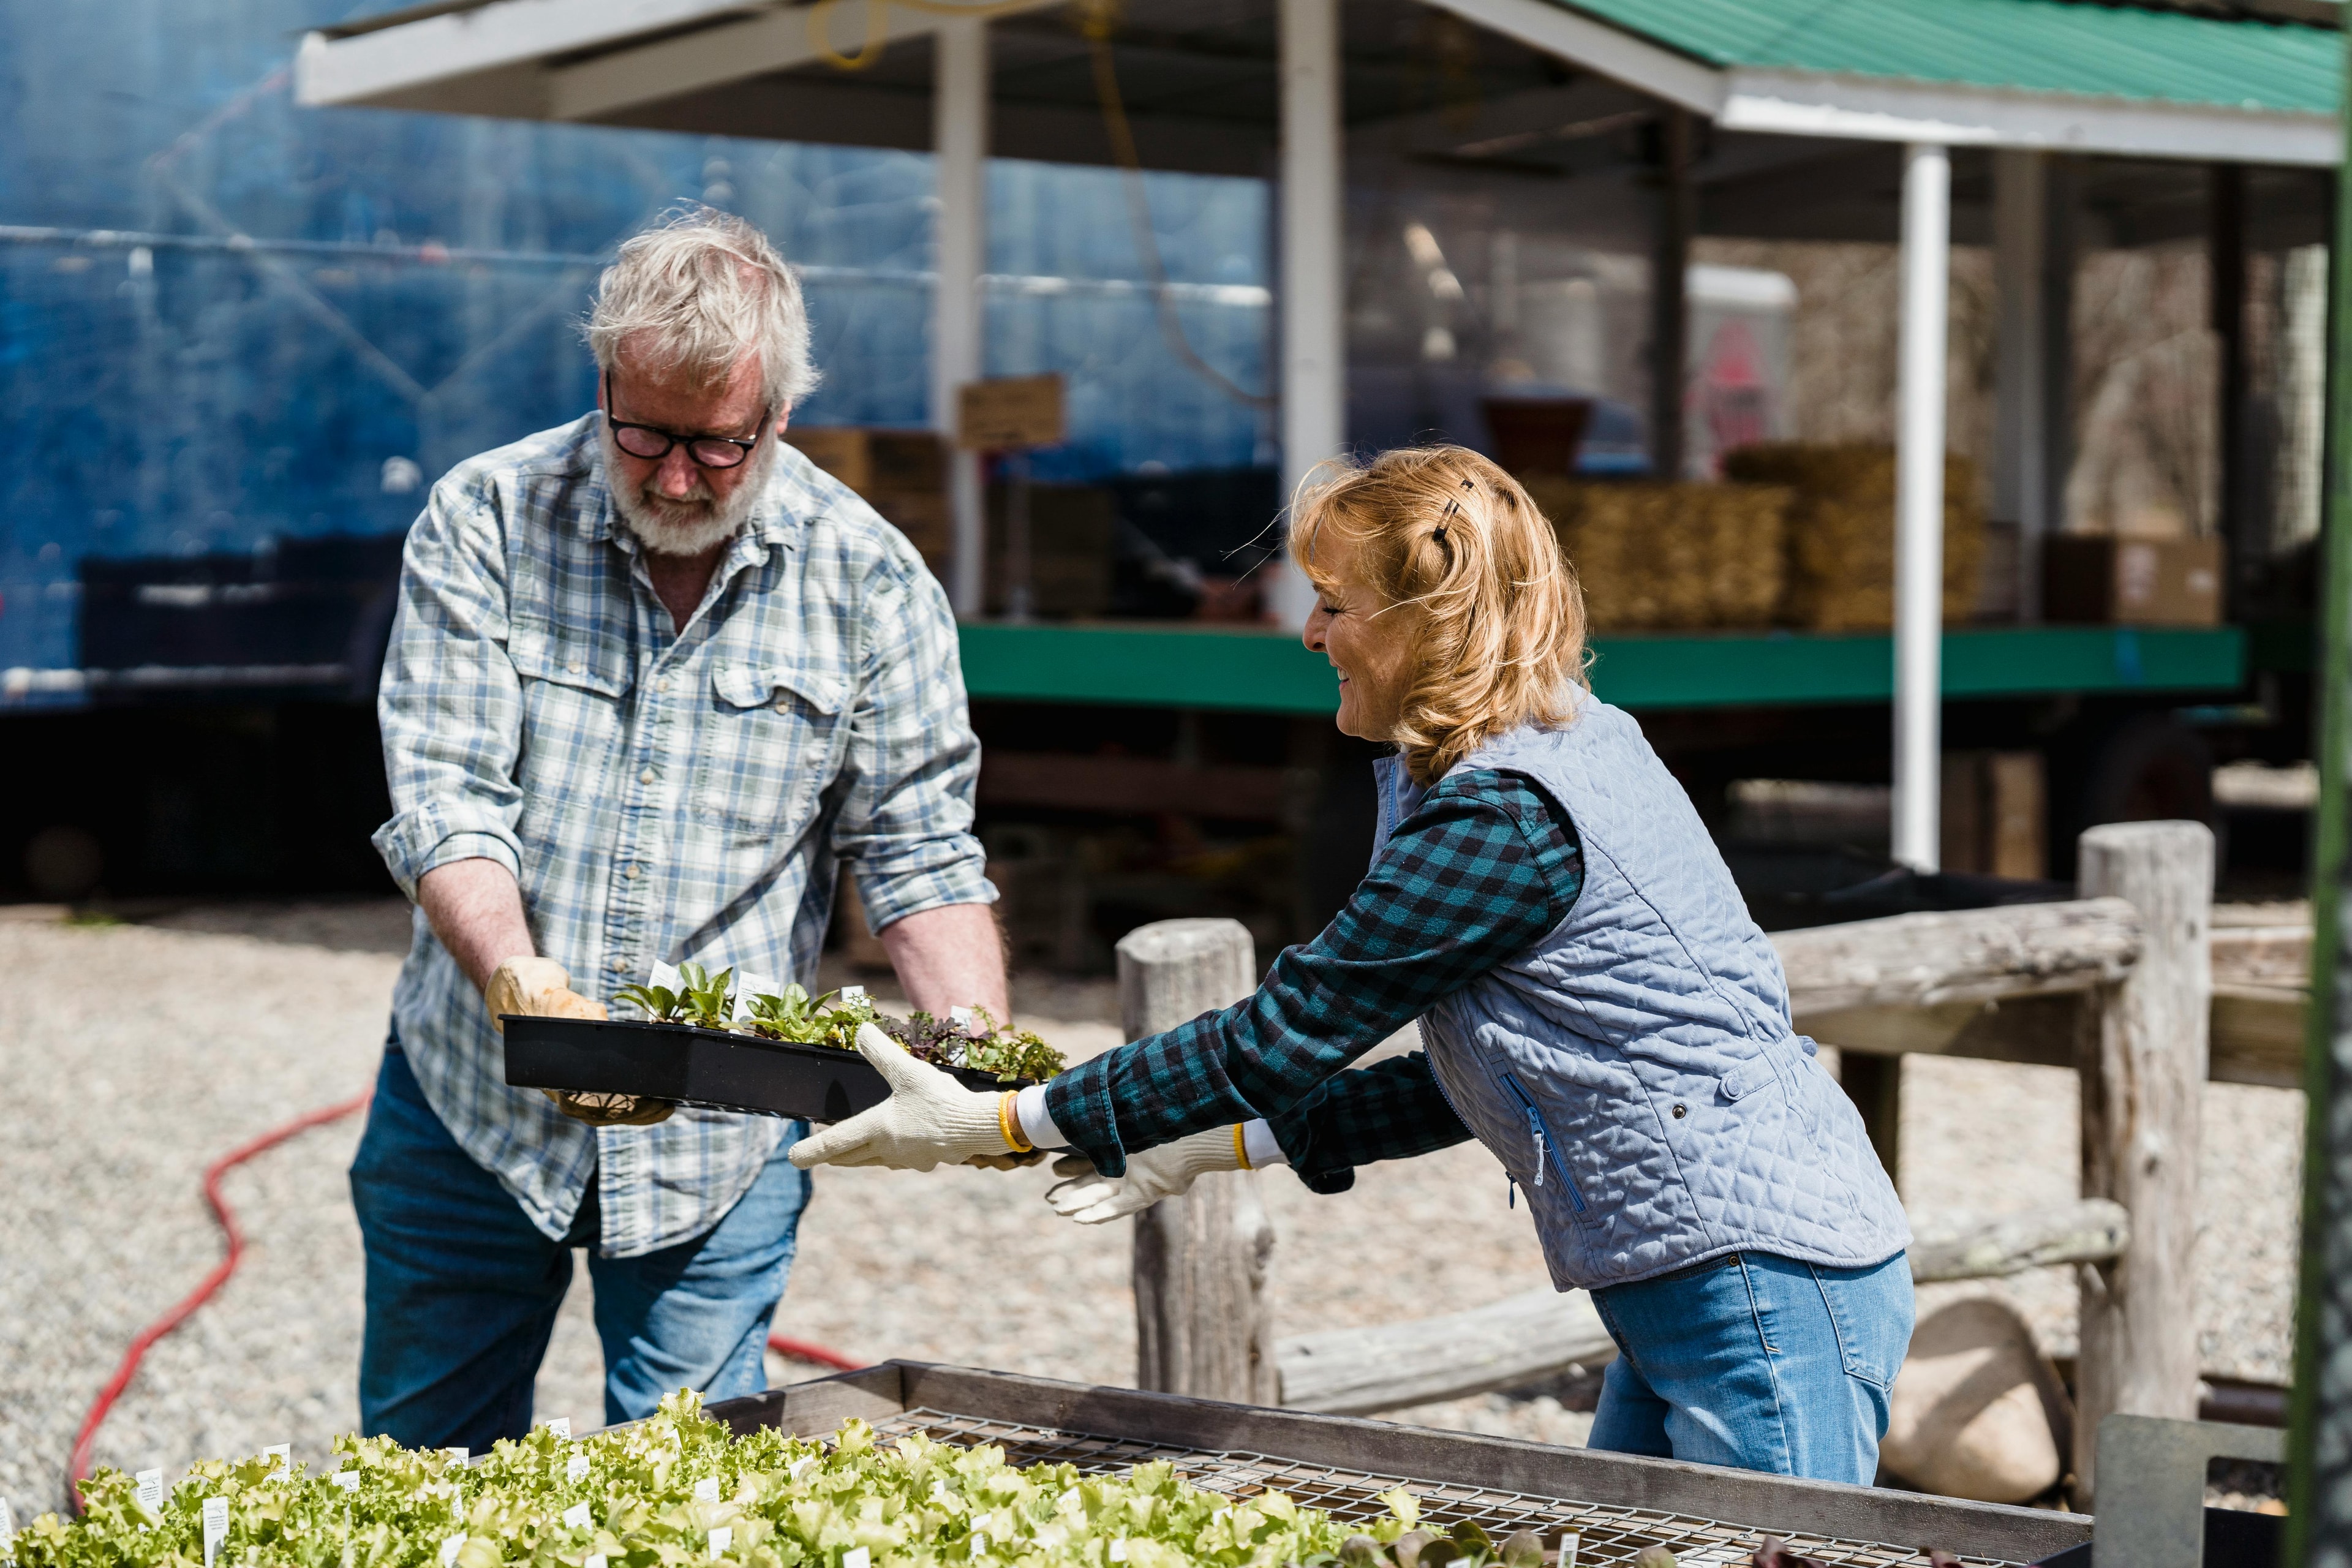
point(593, 1560)
point(347, 1479)
point(803, 1465)
point(451, 1547)
point(979, 1542)
point(575, 1467)
point(8, 1532)
point(707, 1489)
point(962, 1018)
point(857, 1557)
point(558, 1425)
point(576, 1517)
point(721, 1538)
point(852, 994)
point(748, 985)
point(215, 1527)
point(458, 1456)
point(284, 1453)
point(1117, 1552)
point(151, 1488)
point(664, 975)
point(1569, 1542)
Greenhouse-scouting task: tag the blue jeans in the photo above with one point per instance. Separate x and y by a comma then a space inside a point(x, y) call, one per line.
point(1757, 1361)
point(462, 1288)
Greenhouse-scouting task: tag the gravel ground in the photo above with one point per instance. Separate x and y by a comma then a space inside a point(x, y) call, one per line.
point(138, 1053)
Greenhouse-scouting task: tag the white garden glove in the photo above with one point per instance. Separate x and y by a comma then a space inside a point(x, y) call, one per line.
point(541, 988)
point(929, 1119)
point(1167, 1171)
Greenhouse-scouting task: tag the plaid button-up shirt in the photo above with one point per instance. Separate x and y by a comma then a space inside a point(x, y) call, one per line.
point(1484, 868)
point(659, 793)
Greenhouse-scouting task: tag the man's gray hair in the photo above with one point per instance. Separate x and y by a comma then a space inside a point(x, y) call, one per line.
point(695, 293)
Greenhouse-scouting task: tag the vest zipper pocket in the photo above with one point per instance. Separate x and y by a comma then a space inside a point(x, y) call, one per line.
point(1540, 1130)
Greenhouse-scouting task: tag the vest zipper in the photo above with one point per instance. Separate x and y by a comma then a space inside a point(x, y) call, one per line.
point(1541, 1133)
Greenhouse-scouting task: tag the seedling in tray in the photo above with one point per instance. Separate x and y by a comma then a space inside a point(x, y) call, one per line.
point(704, 1000)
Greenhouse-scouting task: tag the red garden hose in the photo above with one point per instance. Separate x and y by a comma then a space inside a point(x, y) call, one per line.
point(800, 1350)
point(78, 1467)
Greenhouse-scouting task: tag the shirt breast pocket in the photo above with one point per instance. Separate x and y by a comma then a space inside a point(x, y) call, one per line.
point(777, 737)
point(573, 689)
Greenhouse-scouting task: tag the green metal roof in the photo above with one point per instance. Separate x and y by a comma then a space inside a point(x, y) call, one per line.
point(2032, 46)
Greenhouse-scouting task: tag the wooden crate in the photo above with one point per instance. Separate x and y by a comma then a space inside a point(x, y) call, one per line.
point(1070, 529)
point(1617, 1502)
point(870, 461)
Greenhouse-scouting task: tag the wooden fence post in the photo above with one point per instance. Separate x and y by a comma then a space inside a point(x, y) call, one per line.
point(2143, 1046)
point(1204, 1325)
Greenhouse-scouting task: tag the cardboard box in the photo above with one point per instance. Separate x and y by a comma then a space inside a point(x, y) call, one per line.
point(873, 460)
point(920, 515)
point(2119, 580)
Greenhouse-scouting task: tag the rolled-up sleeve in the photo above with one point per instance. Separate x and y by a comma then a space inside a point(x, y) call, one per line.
point(450, 707)
point(905, 823)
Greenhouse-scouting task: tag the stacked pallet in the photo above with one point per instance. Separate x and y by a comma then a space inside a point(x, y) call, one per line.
point(1671, 557)
point(1841, 574)
point(902, 474)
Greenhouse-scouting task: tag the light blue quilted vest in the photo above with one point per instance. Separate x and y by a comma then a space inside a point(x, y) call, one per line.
point(1636, 1070)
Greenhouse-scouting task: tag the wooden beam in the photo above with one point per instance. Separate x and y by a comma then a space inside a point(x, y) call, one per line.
point(1510, 1343)
point(1204, 1325)
point(2093, 1231)
point(2143, 1064)
point(1971, 955)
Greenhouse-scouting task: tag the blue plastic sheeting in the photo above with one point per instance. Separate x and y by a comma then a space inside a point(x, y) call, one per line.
point(226, 320)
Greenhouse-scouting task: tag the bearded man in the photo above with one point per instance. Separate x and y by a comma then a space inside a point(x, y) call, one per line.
point(654, 681)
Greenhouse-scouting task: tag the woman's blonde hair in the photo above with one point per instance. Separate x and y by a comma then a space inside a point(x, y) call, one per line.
point(1499, 621)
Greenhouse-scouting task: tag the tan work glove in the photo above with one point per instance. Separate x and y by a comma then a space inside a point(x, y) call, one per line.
point(541, 988)
point(1091, 1198)
point(928, 1121)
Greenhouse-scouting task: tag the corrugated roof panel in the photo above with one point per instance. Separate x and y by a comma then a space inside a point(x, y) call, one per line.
point(2034, 46)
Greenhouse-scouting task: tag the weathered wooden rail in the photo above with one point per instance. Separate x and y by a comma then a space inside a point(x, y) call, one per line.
point(2120, 983)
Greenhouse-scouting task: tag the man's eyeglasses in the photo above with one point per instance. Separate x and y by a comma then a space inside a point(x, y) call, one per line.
point(651, 443)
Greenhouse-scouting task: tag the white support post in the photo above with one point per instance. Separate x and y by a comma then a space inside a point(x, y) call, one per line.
point(2021, 467)
point(1919, 503)
point(960, 132)
point(1314, 278)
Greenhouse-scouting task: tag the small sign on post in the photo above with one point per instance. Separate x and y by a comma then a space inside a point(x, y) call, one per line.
point(1011, 413)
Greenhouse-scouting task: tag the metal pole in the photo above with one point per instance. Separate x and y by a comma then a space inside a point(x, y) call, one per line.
point(959, 135)
point(1919, 502)
point(2021, 485)
point(1670, 295)
point(1314, 281)
point(2319, 1517)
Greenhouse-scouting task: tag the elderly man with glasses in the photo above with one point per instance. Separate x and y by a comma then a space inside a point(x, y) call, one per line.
point(656, 682)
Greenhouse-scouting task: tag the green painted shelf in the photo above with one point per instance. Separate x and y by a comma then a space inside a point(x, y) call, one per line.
point(1268, 672)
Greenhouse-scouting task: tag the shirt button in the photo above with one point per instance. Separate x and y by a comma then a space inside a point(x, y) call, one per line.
point(618, 966)
point(632, 872)
point(646, 776)
point(576, 667)
point(663, 684)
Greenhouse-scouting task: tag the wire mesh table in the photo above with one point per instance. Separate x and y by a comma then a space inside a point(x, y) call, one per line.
point(1607, 1535)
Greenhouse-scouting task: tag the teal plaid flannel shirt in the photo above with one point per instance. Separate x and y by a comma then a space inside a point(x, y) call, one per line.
point(657, 795)
point(1486, 866)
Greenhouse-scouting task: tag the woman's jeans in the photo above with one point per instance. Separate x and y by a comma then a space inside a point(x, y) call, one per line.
point(1757, 1361)
point(462, 1288)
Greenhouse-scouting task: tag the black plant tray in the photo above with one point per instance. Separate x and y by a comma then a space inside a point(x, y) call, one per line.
point(711, 1067)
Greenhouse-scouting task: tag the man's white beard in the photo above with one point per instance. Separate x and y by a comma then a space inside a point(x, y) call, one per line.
point(690, 526)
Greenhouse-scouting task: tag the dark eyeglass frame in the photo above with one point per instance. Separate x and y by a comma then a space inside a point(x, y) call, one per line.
point(741, 447)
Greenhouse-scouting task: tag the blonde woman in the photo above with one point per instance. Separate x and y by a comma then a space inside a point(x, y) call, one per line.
point(1598, 1009)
